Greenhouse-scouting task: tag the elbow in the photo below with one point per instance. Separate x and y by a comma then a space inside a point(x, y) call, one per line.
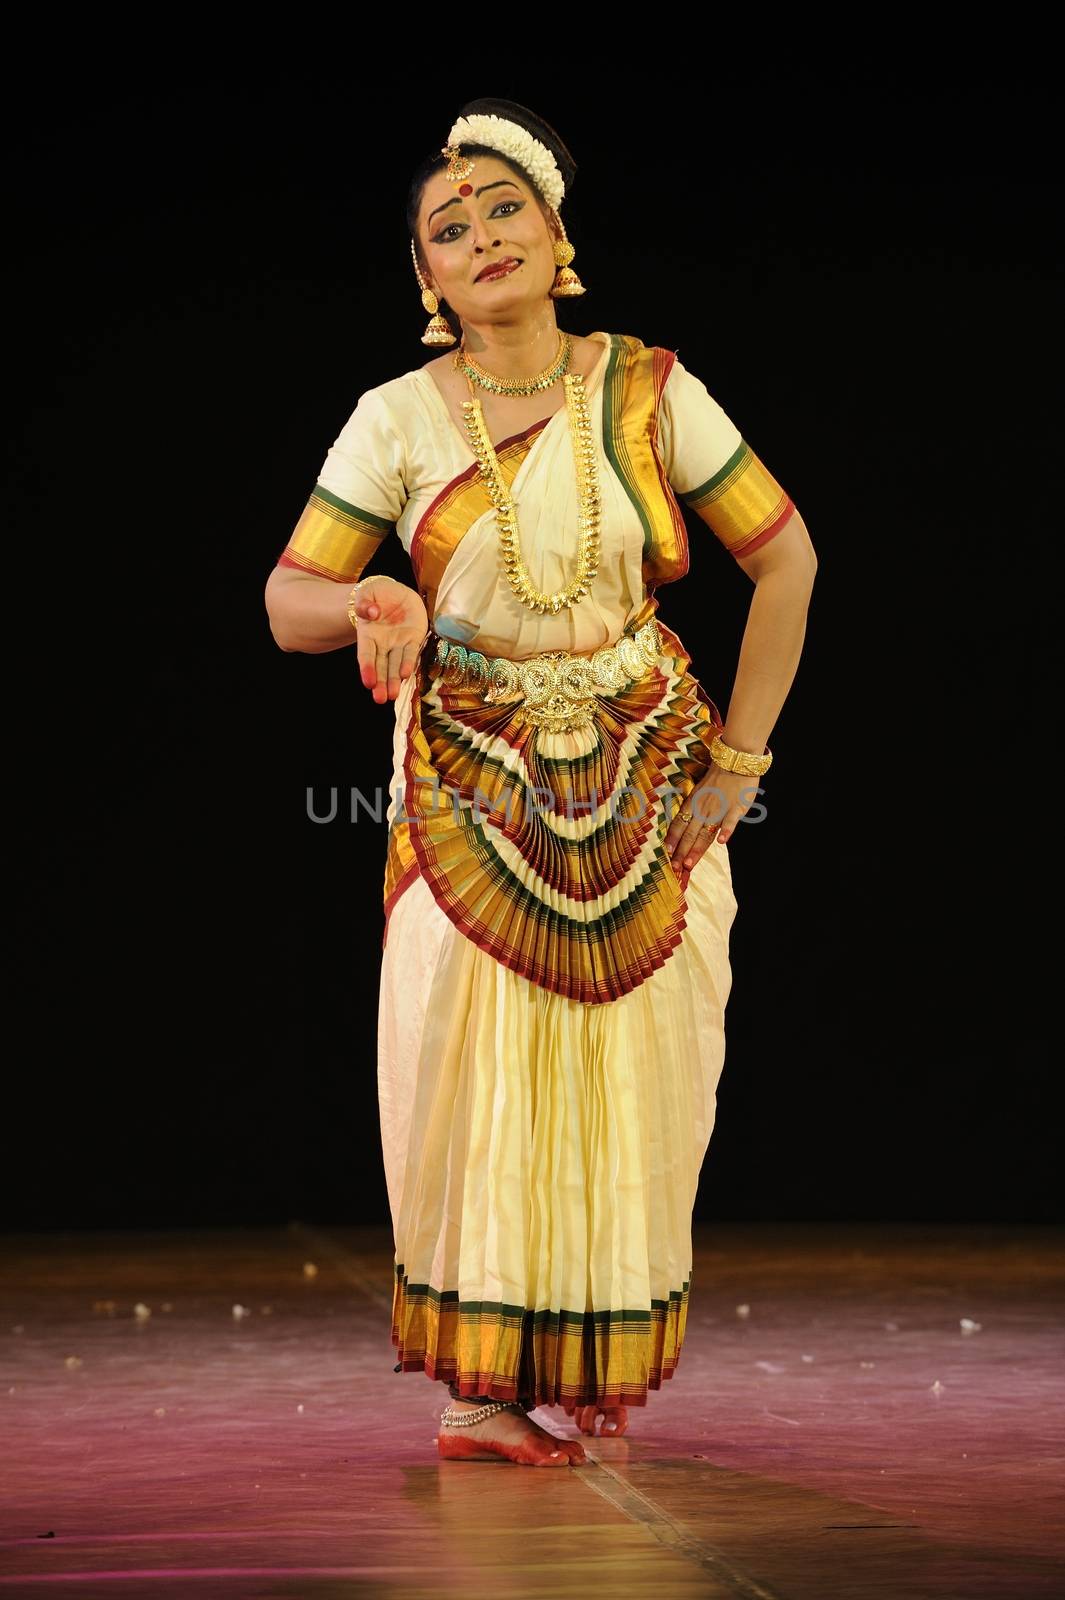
point(277, 632)
point(805, 547)
point(807, 575)
point(283, 640)
point(789, 557)
point(275, 613)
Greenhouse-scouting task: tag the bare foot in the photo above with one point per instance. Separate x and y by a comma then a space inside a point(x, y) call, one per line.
point(615, 1418)
point(513, 1434)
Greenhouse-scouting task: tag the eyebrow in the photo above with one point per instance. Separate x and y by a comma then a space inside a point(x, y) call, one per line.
point(477, 195)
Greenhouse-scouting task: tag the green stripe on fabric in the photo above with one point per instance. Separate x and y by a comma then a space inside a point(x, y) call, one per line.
point(481, 1308)
point(613, 434)
point(719, 477)
point(351, 513)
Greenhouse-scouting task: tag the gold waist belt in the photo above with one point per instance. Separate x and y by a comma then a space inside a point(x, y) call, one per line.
point(557, 688)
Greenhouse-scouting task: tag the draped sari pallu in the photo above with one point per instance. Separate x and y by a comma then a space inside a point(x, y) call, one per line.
point(547, 848)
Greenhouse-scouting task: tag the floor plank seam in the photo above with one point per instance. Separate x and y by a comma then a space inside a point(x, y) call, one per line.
point(613, 1488)
point(640, 1508)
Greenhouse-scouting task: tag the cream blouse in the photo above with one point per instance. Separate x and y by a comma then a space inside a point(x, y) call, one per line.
point(401, 448)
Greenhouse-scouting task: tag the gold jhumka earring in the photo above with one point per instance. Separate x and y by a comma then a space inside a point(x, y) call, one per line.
point(566, 282)
point(439, 329)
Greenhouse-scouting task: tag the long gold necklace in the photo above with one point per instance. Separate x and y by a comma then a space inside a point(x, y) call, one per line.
point(465, 363)
point(588, 516)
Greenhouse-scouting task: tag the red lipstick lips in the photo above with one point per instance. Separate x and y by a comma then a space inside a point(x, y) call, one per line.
point(498, 269)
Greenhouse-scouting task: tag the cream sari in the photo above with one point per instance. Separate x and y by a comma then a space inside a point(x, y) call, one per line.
point(551, 1016)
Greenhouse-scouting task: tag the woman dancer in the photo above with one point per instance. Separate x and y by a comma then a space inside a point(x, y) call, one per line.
point(557, 912)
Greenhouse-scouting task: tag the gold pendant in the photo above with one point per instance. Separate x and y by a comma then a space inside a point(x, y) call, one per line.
point(590, 512)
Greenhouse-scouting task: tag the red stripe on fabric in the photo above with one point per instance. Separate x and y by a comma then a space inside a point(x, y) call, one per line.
point(471, 471)
point(472, 927)
point(516, 438)
point(665, 367)
point(767, 533)
point(405, 882)
point(423, 521)
point(287, 561)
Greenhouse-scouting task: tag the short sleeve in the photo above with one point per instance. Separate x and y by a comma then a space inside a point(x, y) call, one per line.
point(712, 468)
point(358, 497)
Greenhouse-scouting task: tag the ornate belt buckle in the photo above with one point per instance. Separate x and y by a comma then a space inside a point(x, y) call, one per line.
point(557, 688)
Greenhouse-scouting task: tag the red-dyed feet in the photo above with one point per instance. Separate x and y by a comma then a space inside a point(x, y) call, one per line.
point(513, 1437)
point(615, 1419)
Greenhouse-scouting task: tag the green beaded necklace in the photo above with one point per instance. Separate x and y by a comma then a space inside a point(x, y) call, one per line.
point(517, 386)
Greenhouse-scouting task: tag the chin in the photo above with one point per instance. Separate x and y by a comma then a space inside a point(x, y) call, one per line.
point(520, 293)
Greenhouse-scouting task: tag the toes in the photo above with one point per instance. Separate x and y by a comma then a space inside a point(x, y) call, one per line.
point(549, 1451)
point(615, 1421)
point(585, 1418)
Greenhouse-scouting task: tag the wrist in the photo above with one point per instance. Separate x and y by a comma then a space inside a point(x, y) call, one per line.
point(742, 739)
point(747, 759)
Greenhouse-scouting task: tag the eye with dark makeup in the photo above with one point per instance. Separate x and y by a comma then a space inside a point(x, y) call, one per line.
point(441, 237)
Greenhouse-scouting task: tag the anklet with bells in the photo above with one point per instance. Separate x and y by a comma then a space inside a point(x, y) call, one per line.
point(451, 1418)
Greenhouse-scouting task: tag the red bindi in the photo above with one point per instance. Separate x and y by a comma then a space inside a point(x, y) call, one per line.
point(465, 188)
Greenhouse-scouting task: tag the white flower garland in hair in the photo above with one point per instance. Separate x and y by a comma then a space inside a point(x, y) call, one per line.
point(499, 133)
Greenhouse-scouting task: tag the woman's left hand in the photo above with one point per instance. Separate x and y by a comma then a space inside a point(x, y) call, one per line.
point(716, 808)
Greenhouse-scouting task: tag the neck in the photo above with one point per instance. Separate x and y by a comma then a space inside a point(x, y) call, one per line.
point(514, 349)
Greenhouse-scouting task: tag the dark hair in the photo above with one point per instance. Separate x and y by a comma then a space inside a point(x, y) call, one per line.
point(492, 108)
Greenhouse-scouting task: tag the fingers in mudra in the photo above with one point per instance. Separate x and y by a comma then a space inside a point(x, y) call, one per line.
point(393, 626)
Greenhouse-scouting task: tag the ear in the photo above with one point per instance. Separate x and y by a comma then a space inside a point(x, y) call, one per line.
point(427, 276)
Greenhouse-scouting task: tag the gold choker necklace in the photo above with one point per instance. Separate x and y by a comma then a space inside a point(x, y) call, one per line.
point(465, 363)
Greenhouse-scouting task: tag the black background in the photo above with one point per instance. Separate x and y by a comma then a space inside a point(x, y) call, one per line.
point(208, 271)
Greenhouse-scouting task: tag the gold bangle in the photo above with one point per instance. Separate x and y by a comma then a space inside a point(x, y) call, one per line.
point(743, 761)
point(373, 578)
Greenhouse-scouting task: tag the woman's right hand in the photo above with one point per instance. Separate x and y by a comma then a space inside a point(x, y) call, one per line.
point(393, 624)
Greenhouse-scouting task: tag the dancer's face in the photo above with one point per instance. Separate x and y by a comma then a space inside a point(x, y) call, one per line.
point(461, 234)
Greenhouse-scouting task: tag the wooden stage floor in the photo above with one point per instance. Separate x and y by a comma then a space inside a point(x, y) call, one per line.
point(885, 1419)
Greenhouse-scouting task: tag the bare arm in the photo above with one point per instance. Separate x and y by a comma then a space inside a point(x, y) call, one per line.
point(783, 575)
point(310, 613)
point(307, 612)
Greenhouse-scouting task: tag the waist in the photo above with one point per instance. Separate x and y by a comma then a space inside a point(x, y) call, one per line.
point(556, 688)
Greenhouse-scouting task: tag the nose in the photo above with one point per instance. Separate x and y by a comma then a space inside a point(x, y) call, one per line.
point(483, 237)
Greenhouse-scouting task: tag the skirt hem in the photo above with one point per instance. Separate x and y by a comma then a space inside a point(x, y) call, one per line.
point(590, 1358)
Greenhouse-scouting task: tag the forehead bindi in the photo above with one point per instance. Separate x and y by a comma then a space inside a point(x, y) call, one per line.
point(452, 197)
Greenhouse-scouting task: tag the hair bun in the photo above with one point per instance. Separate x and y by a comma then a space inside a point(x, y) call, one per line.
point(532, 124)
